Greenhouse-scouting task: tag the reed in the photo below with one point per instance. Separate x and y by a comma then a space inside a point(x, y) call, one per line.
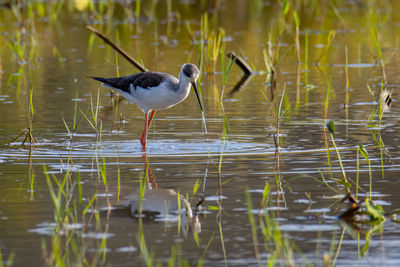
point(176, 258)
point(195, 188)
point(375, 120)
point(361, 150)
point(326, 106)
point(339, 245)
point(137, 11)
point(375, 230)
point(31, 113)
point(271, 53)
point(67, 244)
point(75, 121)
point(225, 71)
point(277, 247)
point(10, 260)
point(147, 256)
point(18, 46)
point(297, 35)
point(357, 172)
point(278, 113)
point(329, 41)
point(94, 121)
point(142, 187)
point(200, 262)
point(347, 89)
point(211, 43)
point(215, 45)
point(221, 234)
point(252, 225)
point(377, 43)
point(27, 133)
point(331, 127)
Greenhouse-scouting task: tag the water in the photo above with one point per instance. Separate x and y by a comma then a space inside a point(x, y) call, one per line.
point(181, 153)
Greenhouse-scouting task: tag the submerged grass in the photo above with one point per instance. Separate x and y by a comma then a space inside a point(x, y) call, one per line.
point(278, 111)
point(361, 150)
point(68, 245)
point(326, 106)
point(27, 133)
point(10, 260)
point(329, 42)
point(74, 217)
point(347, 89)
point(211, 43)
point(375, 121)
point(18, 47)
point(331, 127)
point(271, 53)
point(377, 44)
point(297, 35)
point(276, 246)
point(226, 71)
point(253, 226)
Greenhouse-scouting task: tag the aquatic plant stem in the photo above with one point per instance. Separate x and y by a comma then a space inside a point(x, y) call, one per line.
point(10, 259)
point(326, 105)
point(224, 139)
point(29, 129)
point(338, 248)
point(364, 153)
point(375, 37)
point(341, 164)
point(297, 35)
point(277, 111)
point(357, 173)
point(201, 259)
point(219, 217)
point(347, 89)
point(137, 16)
point(330, 38)
point(253, 225)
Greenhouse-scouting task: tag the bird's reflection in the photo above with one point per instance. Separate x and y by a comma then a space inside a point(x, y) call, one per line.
point(160, 204)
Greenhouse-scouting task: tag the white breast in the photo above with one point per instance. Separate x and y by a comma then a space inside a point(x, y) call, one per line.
point(156, 98)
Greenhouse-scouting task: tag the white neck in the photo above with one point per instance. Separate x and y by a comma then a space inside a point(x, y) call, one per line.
point(184, 84)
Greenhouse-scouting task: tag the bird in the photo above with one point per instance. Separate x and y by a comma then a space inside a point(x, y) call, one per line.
point(152, 91)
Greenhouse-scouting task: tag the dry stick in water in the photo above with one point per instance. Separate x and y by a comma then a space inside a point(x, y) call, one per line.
point(241, 63)
point(248, 72)
point(118, 49)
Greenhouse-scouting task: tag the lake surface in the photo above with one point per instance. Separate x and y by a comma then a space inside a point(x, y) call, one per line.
point(231, 163)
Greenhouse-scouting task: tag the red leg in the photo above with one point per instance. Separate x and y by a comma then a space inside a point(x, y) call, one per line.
point(151, 118)
point(143, 138)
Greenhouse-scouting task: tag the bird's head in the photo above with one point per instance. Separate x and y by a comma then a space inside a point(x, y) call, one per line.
point(192, 73)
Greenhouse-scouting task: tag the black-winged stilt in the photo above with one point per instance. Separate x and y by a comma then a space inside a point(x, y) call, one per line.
point(153, 91)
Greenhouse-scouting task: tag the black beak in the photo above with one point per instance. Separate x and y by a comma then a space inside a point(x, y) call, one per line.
point(197, 94)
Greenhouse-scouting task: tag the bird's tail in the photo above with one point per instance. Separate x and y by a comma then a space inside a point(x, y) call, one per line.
point(103, 80)
point(109, 82)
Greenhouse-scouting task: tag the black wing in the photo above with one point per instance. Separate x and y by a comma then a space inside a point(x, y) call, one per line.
point(143, 79)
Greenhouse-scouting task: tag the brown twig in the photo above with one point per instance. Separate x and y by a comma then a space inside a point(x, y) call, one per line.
point(118, 49)
point(248, 72)
point(240, 62)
